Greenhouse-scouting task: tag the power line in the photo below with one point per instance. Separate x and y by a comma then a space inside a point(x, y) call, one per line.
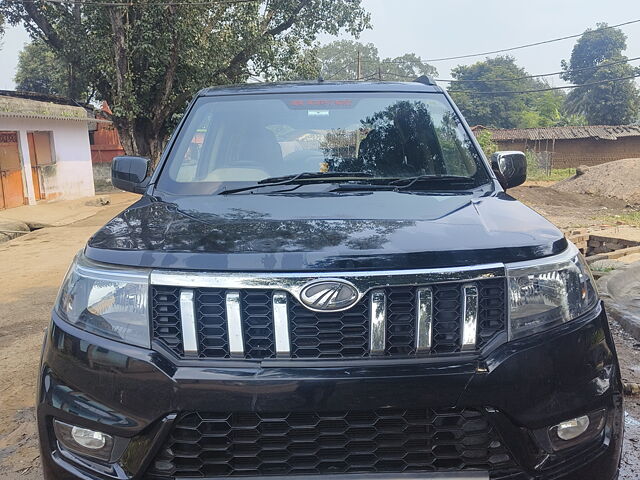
point(498, 80)
point(548, 89)
point(534, 90)
point(595, 67)
point(534, 44)
point(137, 4)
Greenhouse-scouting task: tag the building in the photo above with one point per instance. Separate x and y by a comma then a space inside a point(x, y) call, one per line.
point(44, 149)
point(570, 147)
point(105, 144)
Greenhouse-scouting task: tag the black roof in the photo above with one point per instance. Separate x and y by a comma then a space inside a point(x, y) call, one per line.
point(320, 86)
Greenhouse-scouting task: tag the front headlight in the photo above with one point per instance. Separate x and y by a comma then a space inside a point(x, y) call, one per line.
point(547, 292)
point(108, 301)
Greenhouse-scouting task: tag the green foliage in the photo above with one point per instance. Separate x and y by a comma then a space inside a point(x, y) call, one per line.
point(630, 218)
point(601, 268)
point(538, 174)
point(148, 59)
point(489, 147)
point(501, 110)
point(338, 61)
point(610, 103)
point(41, 70)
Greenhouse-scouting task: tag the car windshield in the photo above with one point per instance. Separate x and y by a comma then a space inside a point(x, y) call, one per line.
point(233, 141)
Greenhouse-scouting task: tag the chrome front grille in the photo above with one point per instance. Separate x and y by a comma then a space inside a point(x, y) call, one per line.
point(408, 315)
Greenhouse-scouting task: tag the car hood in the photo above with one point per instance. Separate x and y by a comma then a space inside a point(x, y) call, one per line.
point(347, 231)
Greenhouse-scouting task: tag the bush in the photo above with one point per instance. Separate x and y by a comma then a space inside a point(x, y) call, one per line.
point(489, 147)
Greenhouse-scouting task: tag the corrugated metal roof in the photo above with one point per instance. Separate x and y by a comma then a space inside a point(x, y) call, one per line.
point(601, 132)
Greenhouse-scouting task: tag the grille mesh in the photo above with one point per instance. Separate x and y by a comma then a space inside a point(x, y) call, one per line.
point(326, 335)
point(210, 309)
point(401, 320)
point(380, 441)
point(257, 324)
point(165, 318)
point(331, 334)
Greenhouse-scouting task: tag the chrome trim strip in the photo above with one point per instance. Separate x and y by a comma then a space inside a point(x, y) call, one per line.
point(295, 282)
point(378, 314)
point(562, 258)
point(469, 316)
point(188, 323)
point(424, 319)
point(281, 324)
point(234, 323)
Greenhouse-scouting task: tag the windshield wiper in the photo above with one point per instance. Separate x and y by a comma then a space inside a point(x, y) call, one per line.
point(304, 177)
point(447, 180)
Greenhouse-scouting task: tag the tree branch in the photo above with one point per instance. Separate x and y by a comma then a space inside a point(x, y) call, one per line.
point(243, 56)
point(119, 50)
point(169, 76)
point(47, 31)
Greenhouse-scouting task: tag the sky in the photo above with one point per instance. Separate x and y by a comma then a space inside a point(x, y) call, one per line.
point(434, 29)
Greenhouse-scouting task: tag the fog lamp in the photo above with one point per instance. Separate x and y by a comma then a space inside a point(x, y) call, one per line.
point(572, 428)
point(89, 438)
point(577, 430)
point(84, 441)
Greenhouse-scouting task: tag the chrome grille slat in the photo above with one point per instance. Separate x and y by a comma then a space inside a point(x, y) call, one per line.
point(378, 315)
point(234, 323)
point(281, 324)
point(424, 319)
point(188, 323)
point(469, 316)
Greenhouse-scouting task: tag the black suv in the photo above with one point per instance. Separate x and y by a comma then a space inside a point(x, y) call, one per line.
point(328, 280)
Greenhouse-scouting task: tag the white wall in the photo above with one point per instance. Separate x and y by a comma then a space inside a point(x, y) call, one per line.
point(72, 175)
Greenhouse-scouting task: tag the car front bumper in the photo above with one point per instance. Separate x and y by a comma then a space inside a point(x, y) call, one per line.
point(523, 386)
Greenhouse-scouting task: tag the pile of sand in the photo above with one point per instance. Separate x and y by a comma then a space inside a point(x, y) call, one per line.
point(619, 179)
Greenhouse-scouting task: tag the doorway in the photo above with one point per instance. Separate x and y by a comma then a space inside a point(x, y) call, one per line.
point(11, 191)
point(41, 154)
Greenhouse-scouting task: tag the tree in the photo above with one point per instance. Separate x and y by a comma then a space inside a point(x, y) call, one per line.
point(41, 70)
point(597, 57)
point(473, 92)
point(338, 60)
point(148, 58)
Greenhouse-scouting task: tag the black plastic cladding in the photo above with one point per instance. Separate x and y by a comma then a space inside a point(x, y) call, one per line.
point(385, 440)
point(327, 335)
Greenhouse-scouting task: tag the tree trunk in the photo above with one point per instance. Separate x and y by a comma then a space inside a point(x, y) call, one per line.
point(139, 138)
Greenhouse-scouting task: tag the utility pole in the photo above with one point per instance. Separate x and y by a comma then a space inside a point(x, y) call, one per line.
point(359, 66)
point(379, 73)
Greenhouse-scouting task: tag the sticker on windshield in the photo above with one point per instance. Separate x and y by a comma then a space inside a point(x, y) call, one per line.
point(318, 113)
point(324, 103)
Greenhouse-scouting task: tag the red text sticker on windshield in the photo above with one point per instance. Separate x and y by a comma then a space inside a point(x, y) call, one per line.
point(320, 102)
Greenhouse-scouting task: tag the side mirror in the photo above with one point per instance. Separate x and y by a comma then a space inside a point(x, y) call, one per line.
point(130, 173)
point(510, 168)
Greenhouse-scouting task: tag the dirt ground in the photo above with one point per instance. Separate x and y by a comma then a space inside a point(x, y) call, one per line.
point(569, 210)
point(33, 267)
point(619, 179)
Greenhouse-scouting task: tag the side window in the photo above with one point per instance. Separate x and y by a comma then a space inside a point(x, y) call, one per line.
point(455, 145)
point(190, 158)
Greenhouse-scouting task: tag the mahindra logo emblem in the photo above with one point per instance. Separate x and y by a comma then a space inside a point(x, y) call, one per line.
point(329, 295)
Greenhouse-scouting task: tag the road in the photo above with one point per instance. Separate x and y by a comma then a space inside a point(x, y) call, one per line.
point(32, 269)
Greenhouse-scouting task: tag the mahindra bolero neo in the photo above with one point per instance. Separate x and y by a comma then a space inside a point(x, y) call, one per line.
point(328, 281)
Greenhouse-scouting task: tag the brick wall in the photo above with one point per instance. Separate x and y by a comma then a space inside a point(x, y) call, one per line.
point(597, 244)
point(585, 151)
